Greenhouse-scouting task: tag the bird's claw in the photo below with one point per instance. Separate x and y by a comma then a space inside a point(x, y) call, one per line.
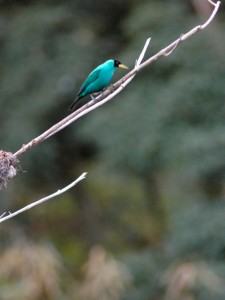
point(93, 98)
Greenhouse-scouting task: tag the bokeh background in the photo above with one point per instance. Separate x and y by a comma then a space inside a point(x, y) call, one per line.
point(148, 223)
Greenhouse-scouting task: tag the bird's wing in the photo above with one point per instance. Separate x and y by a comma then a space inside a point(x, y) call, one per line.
point(90, 79)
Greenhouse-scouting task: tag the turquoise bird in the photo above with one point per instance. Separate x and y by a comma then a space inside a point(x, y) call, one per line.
point(97, 80)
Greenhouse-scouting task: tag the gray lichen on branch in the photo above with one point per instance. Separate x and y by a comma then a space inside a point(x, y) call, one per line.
point(7, 167)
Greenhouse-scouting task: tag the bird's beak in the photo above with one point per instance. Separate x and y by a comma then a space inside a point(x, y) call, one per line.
point(123, 66)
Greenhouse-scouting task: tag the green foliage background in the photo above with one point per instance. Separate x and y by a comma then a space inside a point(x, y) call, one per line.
point(154, 195)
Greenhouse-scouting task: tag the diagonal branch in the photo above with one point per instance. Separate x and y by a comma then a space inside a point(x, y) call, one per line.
point(108, 95)
point(38, 202)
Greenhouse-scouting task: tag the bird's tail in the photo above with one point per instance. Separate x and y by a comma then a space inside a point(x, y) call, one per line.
point(73, 105)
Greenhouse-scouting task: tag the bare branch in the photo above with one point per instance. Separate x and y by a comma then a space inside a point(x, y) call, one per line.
point(59, 192)
point(8, 160)
point(183, 37)
point(107, 95)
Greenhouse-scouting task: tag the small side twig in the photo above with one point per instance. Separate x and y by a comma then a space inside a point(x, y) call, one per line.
point(38, 202)
point(175, 46)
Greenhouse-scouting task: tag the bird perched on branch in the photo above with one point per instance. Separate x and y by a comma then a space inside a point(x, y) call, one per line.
point(97, 80)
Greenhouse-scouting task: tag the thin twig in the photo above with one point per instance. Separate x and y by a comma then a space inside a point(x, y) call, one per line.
point(216, 7)
point(141, 56)
point(118, 86)
point(181, 39)
point(59, 192)
point(2, 215)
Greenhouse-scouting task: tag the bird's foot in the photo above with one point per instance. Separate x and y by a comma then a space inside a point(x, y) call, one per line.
point(93, 98)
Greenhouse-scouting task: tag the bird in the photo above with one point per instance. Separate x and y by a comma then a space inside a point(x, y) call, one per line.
point(97, 80)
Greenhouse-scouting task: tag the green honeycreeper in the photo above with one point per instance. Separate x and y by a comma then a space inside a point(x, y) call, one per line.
point(97, 80)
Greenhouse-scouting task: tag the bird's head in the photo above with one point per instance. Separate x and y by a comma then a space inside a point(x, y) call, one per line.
point(117, 64)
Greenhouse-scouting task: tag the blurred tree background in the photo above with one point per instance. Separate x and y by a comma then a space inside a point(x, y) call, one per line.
point(148, 222)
